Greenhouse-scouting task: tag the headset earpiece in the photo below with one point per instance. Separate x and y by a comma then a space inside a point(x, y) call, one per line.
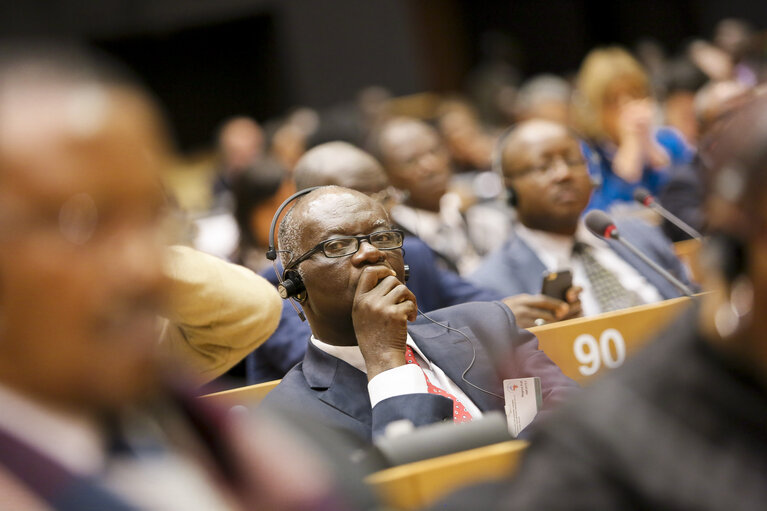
point(292, 285)
point(407, 272)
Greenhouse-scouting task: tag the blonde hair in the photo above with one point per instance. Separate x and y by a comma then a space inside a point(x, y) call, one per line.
point(600, 69)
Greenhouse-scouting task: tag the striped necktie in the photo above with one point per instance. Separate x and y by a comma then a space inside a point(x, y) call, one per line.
point(608, 291)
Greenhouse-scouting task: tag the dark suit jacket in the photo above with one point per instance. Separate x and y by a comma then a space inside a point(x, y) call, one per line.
point(434, 288)
point(336, 393)
point(515, 268)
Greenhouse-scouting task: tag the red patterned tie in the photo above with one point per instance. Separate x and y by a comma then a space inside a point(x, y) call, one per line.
point(460, 414)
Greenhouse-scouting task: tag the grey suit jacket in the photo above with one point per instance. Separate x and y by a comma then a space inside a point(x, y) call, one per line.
point(515, 268)
point(334, 392)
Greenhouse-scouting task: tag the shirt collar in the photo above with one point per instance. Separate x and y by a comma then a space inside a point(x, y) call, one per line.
point(555, 250)
point(352, 355)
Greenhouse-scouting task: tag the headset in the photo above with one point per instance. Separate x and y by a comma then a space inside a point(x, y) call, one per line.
point(590, 153)
point(291, 285)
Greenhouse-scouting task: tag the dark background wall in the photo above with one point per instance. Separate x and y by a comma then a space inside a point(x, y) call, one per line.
point(207, 59)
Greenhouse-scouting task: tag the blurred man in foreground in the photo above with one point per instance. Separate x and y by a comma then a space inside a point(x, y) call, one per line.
point(89, 417)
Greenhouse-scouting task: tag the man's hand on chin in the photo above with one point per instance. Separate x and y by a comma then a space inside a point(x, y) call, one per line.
point(382, 307)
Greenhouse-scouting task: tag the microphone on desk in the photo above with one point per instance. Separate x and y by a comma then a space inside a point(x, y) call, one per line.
point(603, 226)
point(642, 196)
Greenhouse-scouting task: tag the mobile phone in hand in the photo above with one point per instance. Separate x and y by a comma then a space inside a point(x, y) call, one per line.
point(556, 283)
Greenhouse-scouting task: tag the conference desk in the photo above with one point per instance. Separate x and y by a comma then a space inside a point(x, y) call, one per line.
point(248, 395)
point(419, 484)
point(586, 347)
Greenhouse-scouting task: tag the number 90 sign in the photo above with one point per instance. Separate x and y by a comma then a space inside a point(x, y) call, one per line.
point(610, 351)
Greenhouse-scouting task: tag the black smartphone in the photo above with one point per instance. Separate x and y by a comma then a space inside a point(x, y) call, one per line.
point(556, 283)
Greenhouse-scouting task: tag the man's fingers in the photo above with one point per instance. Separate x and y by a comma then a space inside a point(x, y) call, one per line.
point(370, 278)
point(407, 308)
point(526, 316)
point(573, 293)
point(576, 310)
point(400, 293)
point(557, 307)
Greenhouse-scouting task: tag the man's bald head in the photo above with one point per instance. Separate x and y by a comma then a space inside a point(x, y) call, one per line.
point(525, 134)
point(544, 167)
point(400, 131)
point(314, 206)
point(340, 164)
point(415, 160)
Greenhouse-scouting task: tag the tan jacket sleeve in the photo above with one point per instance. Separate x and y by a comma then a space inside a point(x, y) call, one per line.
point(219, 312)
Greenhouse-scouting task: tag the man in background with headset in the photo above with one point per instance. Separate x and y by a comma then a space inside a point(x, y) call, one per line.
point(364, 368)
point(547, 179)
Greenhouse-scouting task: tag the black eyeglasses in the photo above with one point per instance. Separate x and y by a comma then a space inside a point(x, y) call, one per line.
point(348, 245)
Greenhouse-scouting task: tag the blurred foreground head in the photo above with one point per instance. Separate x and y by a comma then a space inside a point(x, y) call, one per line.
point(735, 159)
point(81, 147)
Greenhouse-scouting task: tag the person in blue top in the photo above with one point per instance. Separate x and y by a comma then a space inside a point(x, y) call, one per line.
point(614, 110)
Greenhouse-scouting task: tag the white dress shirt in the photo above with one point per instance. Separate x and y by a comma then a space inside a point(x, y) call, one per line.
point(556, 253)
point(405, 379)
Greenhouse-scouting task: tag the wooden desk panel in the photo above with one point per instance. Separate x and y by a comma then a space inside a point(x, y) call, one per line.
point(586, 347)
point(419, 484)
point(243, 395)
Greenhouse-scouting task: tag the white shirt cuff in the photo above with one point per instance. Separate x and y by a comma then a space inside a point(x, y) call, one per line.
point(406, 379)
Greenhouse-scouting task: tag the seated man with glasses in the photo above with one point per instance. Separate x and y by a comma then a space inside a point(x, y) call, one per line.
point(549, 185)
point(365, 367)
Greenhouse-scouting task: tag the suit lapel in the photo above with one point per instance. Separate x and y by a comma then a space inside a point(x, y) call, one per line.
point(338, 384)
point(522, 256)
point(345, 388)
point(452, 353)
